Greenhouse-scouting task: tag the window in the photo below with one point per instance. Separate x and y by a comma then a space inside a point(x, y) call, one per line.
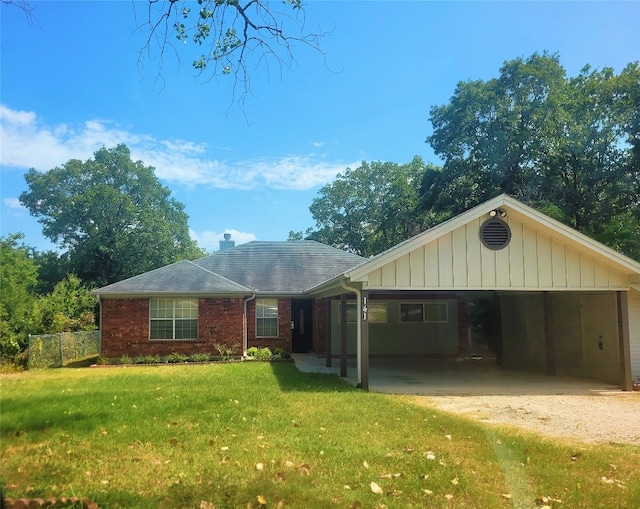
point(435, 312)
point(424, 312)
point(173, 318)
point(267, 318)
point(411, 313)
point(377, 312)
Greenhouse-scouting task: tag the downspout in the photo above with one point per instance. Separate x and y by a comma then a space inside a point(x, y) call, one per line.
point(100, 318)
point(358, 328)
point(245, 333)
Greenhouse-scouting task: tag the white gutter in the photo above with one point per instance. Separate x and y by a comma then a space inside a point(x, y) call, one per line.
point(245, 334)
point(358, 328)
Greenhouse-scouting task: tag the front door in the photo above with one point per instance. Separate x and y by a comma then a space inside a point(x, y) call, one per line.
point(301, 325)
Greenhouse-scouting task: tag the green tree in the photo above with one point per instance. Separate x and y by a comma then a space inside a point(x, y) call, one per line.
point(69, 307)
point(112, 216)
point(567, 146)
point(371, 208)
point(18, 281)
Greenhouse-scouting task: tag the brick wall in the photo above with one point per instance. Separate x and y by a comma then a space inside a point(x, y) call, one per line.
point(284, 327)
point(320, 325)
point(125, 328)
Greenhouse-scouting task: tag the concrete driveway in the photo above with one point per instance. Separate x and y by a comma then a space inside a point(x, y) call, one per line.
point(442, 377)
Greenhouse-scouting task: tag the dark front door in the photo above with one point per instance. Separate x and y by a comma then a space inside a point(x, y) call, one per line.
point(301, 325)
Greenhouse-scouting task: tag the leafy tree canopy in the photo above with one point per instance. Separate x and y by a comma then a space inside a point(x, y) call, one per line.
point(111, 214)
point(567, 146)
point(371, 208)
point(18, 280)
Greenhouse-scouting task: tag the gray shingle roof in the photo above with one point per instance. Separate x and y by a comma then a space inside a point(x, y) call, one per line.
point(289, 267)
point(281, 267)
point(180, 277)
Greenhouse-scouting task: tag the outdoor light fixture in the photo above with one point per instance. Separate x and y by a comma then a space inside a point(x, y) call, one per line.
point(498, 212)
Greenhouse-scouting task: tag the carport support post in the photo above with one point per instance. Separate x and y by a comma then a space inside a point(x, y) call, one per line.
point(364, 341)
point(548, 336)
point(343, 335)
point(327, 330)
point(624, 345)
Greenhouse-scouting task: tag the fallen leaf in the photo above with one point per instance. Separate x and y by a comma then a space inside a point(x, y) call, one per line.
point(408, 450)
point(606, 480)
point(448, 497)
point(280, 504)
point(448, 437)
point(261, 500)
point(506, 495)
point(365, 464)
point(376, 489)
point(288, 464)
point(305, 469)
point(260, 466)
point(455, 481)
point(347, 487)
point(428, 492)
point(430, 455)
point(225, 448)
point(207, 505)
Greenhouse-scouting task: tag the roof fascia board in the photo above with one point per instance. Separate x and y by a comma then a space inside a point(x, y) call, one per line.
point(186, 295)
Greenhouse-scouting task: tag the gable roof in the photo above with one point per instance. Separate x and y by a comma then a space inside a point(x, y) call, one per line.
point(283, 268)
point(181, 277)
point(288, 267)
point(556, 233)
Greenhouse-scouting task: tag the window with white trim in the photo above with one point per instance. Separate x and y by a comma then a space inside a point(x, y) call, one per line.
point(267, 318)
point(173, 319)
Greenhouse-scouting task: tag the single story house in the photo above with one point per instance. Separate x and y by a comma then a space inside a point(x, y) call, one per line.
point(559, 302)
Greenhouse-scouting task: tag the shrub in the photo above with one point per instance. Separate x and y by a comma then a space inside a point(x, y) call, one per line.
point(279, 353)
point(251, 352)
point(258, 354)
point(125, 359)
point(176, 358)
point(226, 352)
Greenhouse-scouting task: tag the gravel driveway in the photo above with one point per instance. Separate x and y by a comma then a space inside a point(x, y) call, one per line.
point(595, 418)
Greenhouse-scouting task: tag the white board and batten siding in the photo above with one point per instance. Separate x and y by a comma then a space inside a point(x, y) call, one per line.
point(533, 260)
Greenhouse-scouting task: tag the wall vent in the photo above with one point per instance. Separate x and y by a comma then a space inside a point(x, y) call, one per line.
point(495, 234)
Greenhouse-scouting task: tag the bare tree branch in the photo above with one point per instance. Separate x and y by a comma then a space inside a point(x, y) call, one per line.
point(236, 38)
point(27, 8)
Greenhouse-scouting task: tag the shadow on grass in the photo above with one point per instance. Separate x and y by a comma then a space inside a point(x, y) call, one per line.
point(290, 379)
point(42, 414)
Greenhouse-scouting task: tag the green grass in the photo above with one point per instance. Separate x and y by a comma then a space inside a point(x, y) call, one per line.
point(174, 436)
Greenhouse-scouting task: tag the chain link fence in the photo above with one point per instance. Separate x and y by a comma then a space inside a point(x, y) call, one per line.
point(57, 350)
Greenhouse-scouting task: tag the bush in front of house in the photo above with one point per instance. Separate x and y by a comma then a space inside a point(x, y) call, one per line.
point(259, 354)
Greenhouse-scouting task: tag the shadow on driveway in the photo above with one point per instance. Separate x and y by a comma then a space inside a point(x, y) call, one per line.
point(452, 377)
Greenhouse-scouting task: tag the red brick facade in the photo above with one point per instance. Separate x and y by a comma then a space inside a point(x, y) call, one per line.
point(283, 340)
point(125, 328)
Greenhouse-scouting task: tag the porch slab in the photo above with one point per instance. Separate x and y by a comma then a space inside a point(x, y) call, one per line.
point(478, 376)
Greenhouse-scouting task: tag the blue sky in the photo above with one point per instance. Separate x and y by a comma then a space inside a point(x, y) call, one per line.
point(72, 84)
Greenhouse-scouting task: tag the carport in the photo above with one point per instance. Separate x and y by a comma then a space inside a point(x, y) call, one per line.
point(564, 304)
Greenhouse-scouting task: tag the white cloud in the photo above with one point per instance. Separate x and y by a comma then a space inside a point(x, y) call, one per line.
point(16, 208)
point(12, 203)
point(210, 240)
point(28, 142)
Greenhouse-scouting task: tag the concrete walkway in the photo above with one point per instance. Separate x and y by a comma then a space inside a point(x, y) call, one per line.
point(440, 377)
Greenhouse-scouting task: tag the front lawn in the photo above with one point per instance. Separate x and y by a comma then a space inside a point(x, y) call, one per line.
point(265, 435)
